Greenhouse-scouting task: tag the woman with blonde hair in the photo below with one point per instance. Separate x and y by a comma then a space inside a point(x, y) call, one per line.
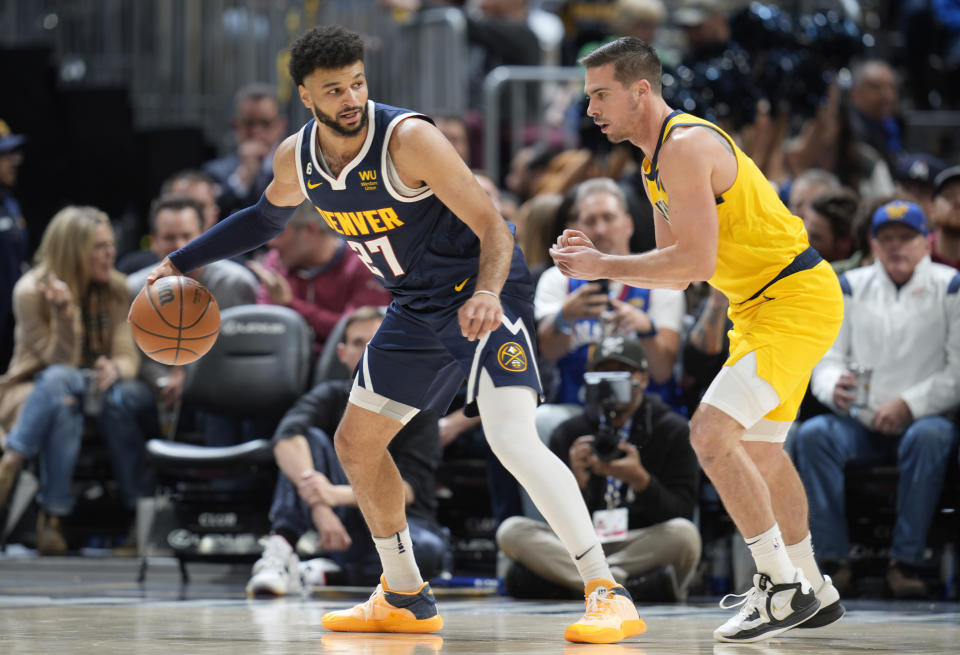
point(73, 357)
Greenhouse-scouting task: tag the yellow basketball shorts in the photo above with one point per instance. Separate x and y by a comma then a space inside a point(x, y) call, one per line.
point(789, 328)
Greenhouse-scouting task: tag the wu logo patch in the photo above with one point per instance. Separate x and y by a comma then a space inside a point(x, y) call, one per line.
point(368, 180)
point(512, 357)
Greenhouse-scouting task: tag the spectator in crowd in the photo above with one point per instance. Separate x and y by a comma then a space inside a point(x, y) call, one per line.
point(455, 129)
point(873, 103)
point(913, 178)
point(14, 239)
point(498, 33)
point(945, 218)
point(829, 141)
point(536, 230)
point(808, 185)
point(862, 254)
point(585, 22)
point(639, 18)
point(193, 184)
point(175, 220)
point(313, 489)
point(704, 22)
point(640, 479)
point(829, 220)
point(308, 269)
point(74, 356)
point(258, 126)
point(573, 314)
point(199, 186)
point(898, 414)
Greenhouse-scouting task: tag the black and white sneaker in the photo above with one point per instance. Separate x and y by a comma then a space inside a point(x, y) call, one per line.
point(830, 608)
point(768, 609)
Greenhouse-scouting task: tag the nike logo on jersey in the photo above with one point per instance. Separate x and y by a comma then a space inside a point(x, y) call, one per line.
point(311, 185)
point(459, 287)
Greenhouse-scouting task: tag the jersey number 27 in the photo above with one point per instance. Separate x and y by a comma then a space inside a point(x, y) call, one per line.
point(382, 246)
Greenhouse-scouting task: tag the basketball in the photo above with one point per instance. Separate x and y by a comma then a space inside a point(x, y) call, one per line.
point(175, 321)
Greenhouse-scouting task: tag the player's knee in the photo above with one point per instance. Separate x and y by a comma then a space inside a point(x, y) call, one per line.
point(713, 434)
point(346, 448)
point(706, 441)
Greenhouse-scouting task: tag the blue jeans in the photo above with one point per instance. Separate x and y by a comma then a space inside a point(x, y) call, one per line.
point(360, 561)
point(826, 444)
point(51, 427)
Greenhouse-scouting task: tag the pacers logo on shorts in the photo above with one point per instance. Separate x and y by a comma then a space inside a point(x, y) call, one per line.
point(512, 357)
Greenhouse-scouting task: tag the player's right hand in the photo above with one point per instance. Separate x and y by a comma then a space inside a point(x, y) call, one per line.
point(163, 269)
point(480, 315)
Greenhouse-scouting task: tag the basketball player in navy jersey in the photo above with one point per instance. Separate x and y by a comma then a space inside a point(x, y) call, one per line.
point(388, 181)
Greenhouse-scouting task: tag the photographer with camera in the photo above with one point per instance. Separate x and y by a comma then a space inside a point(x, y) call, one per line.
point(639, 476)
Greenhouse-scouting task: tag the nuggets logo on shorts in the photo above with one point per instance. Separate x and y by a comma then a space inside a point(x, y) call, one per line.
point(512, 357)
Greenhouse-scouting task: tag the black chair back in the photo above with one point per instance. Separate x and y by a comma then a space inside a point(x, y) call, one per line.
point(257, 368)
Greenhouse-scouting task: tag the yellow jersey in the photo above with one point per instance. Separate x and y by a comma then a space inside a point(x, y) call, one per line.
point(758, 236)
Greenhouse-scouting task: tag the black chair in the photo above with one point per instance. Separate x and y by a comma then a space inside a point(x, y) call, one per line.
point(329, 366)
point(219, 497)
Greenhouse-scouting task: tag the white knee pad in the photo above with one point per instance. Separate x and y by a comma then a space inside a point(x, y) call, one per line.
point(740, 393)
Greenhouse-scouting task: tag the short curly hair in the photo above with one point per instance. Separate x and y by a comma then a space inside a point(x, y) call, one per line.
point(324, 46)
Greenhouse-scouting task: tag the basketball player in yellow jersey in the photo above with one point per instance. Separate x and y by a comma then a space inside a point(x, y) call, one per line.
point(718, 219)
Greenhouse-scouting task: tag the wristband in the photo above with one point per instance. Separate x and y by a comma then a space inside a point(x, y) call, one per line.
point(562, 325)
point(489, 293)
point(652, 332)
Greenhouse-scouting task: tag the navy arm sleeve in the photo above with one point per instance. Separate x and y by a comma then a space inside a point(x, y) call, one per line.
point(238, 233)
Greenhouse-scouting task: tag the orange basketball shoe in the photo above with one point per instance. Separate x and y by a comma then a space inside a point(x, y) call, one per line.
point(389, 611)
point(610, 617)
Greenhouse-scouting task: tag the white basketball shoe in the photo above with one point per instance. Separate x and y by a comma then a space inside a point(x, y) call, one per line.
point(768, 609)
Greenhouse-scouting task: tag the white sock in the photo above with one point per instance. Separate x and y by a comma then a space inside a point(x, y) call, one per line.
point(801, 554)
point(771, 555)
point(508, 423)
point(399, 567)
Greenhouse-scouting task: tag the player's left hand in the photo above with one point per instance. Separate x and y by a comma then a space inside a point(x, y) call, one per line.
point(480, 315)
point(577, 257)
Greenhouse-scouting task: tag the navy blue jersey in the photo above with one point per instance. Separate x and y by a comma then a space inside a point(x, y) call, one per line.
point(414, 245)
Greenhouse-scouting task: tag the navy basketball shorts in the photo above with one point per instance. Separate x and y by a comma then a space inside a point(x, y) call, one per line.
point(419, 360)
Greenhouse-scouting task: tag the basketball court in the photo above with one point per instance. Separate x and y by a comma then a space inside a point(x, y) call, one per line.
point(94, 606)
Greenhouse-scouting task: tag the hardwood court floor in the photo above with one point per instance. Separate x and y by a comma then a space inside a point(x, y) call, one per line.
point(94, 606)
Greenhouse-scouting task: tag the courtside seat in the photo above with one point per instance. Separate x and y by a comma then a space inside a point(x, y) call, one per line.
point(217, 499)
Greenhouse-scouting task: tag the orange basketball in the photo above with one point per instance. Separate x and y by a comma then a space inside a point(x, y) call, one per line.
point(175, 320)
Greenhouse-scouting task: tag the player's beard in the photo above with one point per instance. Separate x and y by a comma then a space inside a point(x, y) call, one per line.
point(337, 127)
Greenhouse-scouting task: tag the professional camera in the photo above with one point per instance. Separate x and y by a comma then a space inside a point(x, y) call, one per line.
point(606, 392)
